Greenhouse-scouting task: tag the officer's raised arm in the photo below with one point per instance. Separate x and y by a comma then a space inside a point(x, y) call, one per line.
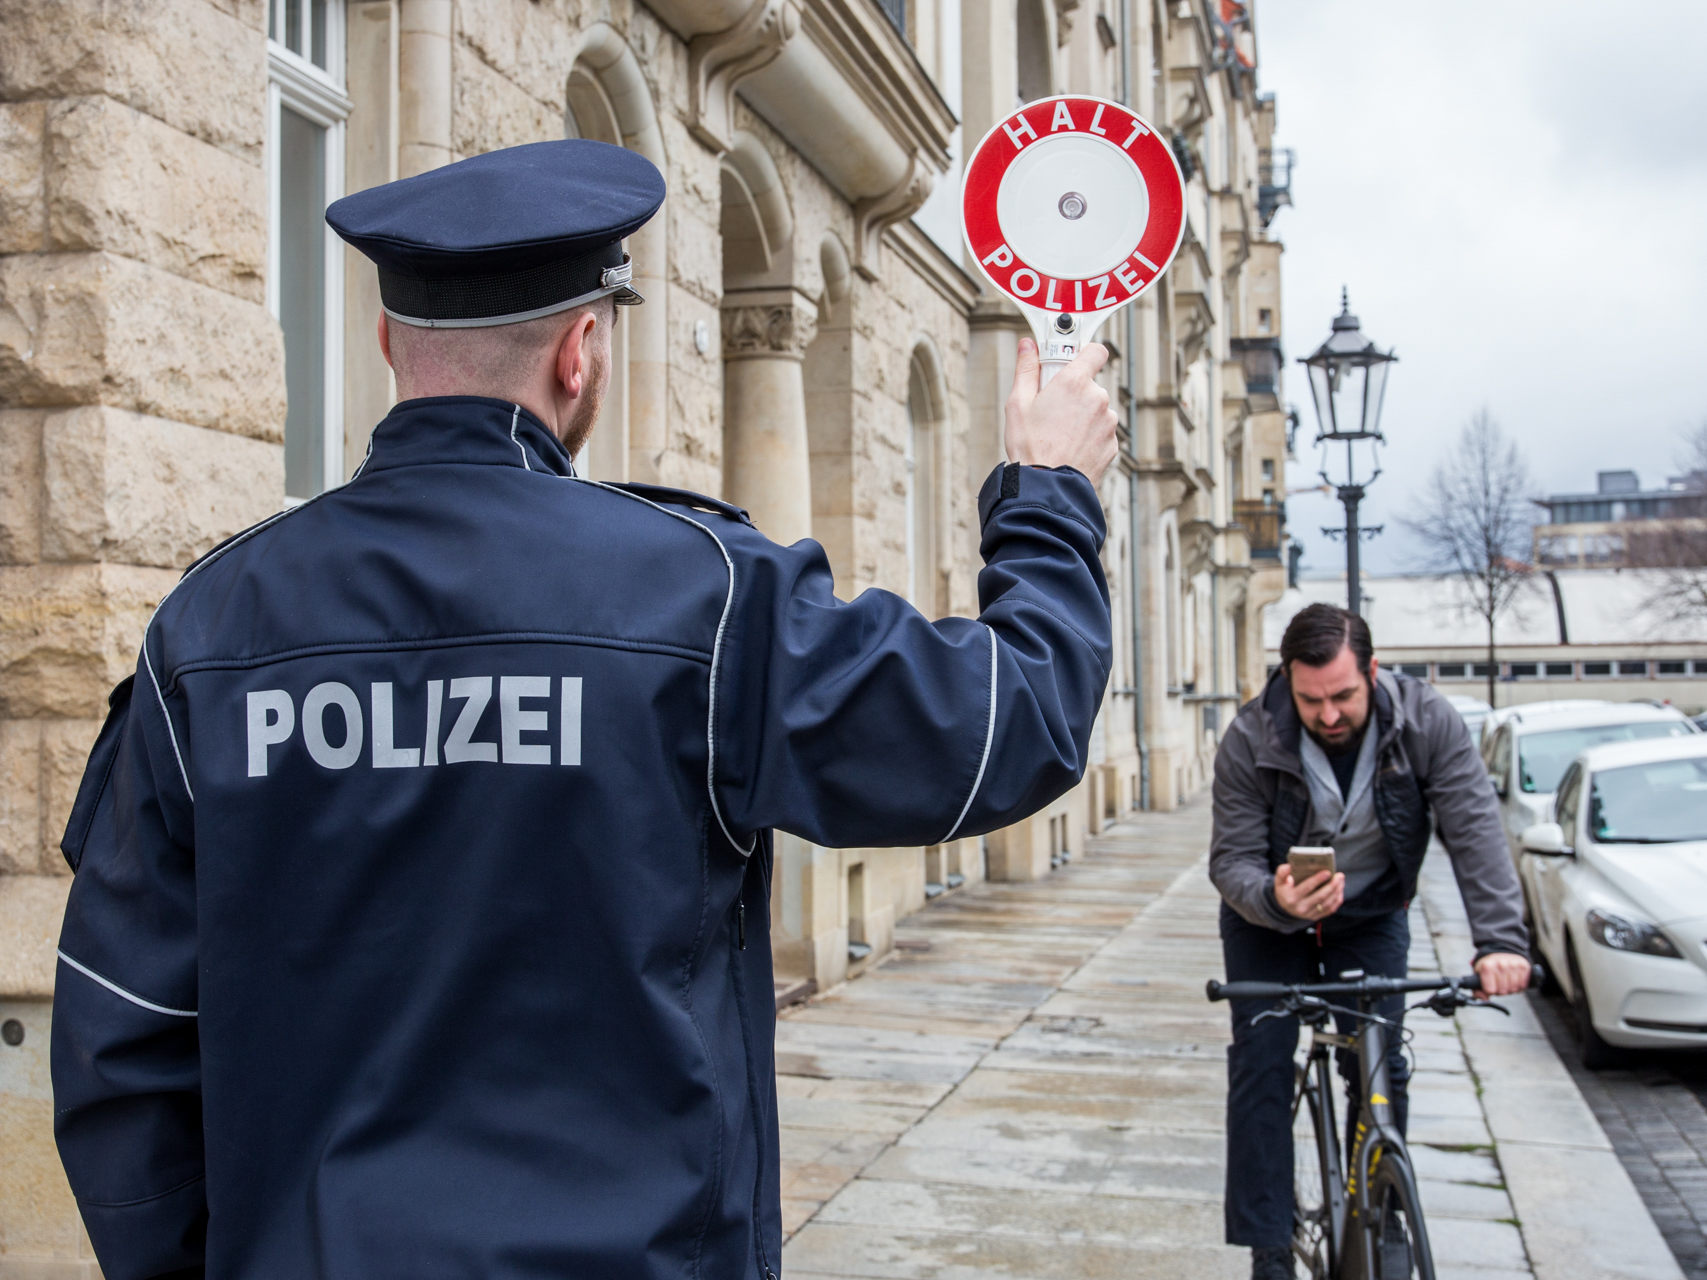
point(864, 723)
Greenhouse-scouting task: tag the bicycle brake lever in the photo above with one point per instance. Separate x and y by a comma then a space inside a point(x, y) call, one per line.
point(1270, 1013)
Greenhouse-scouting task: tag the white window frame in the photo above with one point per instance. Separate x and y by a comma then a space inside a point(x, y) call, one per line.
point(295, 82)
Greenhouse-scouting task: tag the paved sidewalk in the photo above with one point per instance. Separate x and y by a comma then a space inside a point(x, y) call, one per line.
point(1034, 1088)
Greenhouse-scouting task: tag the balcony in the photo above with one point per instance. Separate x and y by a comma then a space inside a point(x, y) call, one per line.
point(1260, 359)
point(1274, 181)
point(1264, 525)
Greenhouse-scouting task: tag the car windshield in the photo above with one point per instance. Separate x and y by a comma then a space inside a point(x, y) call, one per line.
point(1543, 757)
point(1650, 803)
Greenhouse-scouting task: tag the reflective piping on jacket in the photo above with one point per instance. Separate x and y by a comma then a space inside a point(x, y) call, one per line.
point(716, 656)
point(196, 568)
point(515, 418)
point(119, 991)
point(989, 739)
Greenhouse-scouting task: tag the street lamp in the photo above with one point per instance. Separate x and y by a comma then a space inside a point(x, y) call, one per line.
point(1348, 408)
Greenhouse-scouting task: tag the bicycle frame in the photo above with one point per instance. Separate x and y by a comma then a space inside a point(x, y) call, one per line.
point(1351, 1216)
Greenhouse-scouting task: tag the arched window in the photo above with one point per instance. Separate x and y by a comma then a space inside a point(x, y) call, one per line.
point(589, 114)
point(924, 419)
point(607, 99)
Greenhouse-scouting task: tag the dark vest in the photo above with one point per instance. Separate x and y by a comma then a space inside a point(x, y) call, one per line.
point(1401, 804)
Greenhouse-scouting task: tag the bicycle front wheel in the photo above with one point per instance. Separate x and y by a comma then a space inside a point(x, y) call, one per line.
point(1312, 1153)
point(1397, 1238)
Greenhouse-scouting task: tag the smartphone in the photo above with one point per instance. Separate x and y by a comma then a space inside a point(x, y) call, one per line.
point(1307, 860)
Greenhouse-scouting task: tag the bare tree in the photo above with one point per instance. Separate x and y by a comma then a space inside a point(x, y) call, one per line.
point(1475, 521)
point(1677, 547)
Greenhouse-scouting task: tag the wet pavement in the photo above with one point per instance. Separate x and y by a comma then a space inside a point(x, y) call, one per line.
point(1034, 1087)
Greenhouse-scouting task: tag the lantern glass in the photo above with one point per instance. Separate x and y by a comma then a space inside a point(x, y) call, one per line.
point(1374, 392)
point(1322, 392)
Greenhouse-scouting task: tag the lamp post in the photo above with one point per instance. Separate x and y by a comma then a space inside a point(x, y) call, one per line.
point(1348, 408)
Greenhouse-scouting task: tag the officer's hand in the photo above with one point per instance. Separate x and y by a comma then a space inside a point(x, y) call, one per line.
point(1316, 898)
point(1502, 973)
point(1066, 424)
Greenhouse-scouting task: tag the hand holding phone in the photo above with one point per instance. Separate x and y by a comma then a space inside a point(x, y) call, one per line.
point(1307, 860)
point(1296, 886)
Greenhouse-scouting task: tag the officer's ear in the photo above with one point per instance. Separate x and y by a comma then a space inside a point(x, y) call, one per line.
point(574, 354)
point(385, 339)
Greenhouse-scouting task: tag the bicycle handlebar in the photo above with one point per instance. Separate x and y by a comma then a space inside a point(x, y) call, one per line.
point(1367, 986)
point(1370, 986)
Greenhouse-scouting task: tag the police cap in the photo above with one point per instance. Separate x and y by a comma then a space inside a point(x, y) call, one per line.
point(505, 236)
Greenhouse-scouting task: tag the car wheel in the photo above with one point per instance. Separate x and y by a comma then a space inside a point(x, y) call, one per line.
point(1597, 1054)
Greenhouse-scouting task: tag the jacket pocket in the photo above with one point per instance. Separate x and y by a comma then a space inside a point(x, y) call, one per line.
point(96, 773)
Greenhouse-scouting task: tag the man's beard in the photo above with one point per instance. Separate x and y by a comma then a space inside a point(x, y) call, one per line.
point(587, 407)
point(1345, 746)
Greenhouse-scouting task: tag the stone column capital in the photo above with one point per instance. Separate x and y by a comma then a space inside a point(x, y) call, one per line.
point(767, 325)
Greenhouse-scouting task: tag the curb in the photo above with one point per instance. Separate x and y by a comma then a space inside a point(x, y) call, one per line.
point(1580, 1214)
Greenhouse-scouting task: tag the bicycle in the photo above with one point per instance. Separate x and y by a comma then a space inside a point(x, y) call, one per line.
point(1368, 1224)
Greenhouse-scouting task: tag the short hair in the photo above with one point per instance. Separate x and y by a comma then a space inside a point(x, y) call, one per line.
point(507, 352)
point(1318, 632)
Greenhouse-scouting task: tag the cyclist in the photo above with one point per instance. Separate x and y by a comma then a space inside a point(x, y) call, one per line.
point(1337, 752)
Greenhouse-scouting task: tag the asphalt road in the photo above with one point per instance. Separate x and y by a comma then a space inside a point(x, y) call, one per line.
point(1654, 1110)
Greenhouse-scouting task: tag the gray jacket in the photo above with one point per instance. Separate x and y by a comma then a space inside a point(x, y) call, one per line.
point(1425, 764)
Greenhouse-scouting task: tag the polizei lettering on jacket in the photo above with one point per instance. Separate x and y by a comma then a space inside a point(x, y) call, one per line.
point(338, 730)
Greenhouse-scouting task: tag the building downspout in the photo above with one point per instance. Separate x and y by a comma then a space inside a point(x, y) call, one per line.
point(1130, 361)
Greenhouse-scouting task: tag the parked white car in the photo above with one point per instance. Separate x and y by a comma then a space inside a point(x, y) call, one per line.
point(1473, 711)
point(1618, 890)
point(1533, 746)
point(1494, 719)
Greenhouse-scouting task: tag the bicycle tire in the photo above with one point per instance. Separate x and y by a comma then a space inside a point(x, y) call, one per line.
point(1397, 1235)
point(1312, 1140)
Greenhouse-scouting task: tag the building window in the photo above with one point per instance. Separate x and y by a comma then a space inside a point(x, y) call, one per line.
point(1417, 669)
point(1559, 549)
point(1674, 668)
point(1632, 668)
point(306, 113)
point(1699, 667)
point(1560, 669)
point(1034, 50)
point(1268, 470)
point(922, 576)
point(1597, 668)
point(1450, 671)
point(1603, 548)
point(1482, 670)
point(1265, 320)
point(1522, 670)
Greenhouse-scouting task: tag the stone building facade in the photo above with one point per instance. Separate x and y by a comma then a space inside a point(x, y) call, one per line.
point(184, 348)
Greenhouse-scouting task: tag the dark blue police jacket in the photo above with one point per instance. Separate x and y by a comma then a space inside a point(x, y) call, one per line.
point(420, 923)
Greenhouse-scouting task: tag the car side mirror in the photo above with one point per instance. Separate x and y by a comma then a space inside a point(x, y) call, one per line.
point(1546, 838)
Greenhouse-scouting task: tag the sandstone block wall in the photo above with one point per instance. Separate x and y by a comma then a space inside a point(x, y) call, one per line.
point(141, 414)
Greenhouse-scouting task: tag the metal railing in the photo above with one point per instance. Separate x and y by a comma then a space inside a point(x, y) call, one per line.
point(1264, 525)
point(1274, 181)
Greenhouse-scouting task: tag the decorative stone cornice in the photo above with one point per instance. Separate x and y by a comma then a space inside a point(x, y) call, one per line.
point(767, 326)
point(719, 60)
point(876, 214)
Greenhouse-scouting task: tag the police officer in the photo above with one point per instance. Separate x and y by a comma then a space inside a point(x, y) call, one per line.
point(420, 920)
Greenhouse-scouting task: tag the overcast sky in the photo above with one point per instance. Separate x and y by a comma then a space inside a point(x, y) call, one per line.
point(1515, 192)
